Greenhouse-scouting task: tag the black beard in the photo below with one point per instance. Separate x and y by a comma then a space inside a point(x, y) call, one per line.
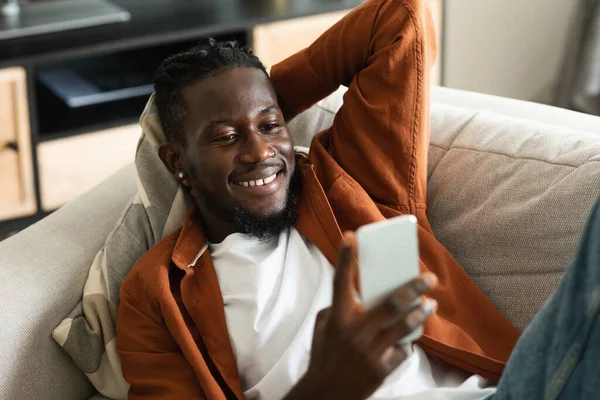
point(260, 226)
point(266, 227)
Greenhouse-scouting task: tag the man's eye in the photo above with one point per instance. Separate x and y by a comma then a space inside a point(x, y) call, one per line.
point(225, 138)
point(270, 127)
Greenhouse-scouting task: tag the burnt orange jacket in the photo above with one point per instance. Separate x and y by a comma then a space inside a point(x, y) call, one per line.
point(371, 164)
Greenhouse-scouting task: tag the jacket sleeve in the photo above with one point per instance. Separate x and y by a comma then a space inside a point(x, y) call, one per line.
point(382, 51)
point(151, 361)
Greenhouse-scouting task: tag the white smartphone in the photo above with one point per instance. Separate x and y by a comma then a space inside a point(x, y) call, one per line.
point(388, 257)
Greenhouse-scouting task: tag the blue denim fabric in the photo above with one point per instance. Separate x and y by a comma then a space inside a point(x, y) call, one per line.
point(558, 355)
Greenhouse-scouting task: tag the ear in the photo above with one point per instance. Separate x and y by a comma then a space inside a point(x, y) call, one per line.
point(173, 157)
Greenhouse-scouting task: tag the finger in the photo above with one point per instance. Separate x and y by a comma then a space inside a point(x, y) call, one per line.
point(343, 282)
point(393, 356)
point(405, 326)
point(320, 326)
point(399, 302)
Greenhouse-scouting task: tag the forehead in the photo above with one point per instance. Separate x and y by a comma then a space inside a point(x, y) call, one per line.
point(233, 93)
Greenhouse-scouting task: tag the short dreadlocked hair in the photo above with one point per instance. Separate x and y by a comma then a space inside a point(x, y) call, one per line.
point(208, 58)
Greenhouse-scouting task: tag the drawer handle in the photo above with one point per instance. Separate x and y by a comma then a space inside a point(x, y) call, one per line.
point(12, 146)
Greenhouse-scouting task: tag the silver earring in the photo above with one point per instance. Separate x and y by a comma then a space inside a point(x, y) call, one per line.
point(180, 175)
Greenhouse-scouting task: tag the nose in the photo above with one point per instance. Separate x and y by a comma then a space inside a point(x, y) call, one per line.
point(256, 149)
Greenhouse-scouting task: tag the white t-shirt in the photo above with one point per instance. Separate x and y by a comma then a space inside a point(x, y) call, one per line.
point(272, 291)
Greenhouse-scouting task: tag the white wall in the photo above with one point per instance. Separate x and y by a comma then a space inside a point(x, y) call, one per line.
point(511, 48)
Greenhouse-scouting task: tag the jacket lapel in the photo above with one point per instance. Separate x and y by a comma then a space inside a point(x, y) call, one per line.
point(203, 300)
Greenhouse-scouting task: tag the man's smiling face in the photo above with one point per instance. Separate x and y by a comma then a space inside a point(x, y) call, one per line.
point(238, 152)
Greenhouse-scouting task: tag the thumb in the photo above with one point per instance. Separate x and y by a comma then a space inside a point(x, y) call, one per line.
point(343, 282)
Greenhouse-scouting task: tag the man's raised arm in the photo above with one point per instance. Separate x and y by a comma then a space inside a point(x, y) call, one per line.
point(383, 51)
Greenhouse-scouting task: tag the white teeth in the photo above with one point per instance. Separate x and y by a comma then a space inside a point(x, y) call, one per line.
point(259, 182)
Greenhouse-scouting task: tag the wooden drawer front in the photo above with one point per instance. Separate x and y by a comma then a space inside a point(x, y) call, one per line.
point(69, 167)
point(17, 197)
point(278, 40)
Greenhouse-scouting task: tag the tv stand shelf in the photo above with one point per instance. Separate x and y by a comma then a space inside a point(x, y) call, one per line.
point(70, 101)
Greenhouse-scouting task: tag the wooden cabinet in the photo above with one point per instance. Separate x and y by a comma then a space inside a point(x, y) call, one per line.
point(17, 195)
point(71, 166)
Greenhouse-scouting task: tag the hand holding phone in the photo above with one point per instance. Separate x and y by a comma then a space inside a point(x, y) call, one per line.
point(354, 350)
point(388, 257)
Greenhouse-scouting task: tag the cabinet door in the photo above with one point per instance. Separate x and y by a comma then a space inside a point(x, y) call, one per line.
point(71, 166)
point(17, 196)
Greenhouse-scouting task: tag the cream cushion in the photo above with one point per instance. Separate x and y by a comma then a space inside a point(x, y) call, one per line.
point(508, 198)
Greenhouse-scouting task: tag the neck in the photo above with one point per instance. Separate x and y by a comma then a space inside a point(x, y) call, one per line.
point(215, 228)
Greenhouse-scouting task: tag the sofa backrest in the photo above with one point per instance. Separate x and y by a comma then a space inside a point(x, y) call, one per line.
point(507, 196)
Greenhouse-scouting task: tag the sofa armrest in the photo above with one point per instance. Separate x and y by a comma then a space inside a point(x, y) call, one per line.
point(43, 270)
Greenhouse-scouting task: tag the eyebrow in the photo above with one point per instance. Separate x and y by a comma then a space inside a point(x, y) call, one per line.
point(227, 121)
point(271, 108)
point(220, 122)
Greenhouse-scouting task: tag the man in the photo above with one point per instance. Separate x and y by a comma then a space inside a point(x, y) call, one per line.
point(226, 307)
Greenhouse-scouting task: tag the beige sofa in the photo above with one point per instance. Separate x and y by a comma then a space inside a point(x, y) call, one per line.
point(511, 184)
